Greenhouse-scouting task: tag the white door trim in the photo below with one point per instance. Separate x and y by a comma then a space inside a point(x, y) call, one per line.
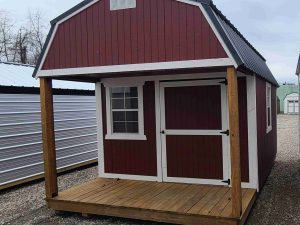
point(223, 97)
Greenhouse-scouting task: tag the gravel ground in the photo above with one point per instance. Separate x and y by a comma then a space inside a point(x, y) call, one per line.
point(278, 203)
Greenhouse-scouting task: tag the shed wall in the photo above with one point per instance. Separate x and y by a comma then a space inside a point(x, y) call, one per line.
point(154, 31)
point(21, 138)
point(266, 142)
point(133, 157)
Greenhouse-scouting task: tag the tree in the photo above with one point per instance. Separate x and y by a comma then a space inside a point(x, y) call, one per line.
point(21, 43)
point(38, 33)
point(25, 43)
point(6, 36)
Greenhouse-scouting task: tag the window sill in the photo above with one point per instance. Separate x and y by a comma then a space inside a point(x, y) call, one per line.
point(126, 137)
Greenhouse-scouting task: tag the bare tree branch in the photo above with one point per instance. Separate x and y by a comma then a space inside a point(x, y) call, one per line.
point(6, 36)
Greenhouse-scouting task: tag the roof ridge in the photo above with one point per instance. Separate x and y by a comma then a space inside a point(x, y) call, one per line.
point(17, 64)
point(227, 21)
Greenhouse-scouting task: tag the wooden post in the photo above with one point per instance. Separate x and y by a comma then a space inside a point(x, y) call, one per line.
point(48, 137)
point(234, 142)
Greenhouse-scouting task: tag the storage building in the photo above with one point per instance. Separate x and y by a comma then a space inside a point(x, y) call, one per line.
point(21, 158)
point(186, 110)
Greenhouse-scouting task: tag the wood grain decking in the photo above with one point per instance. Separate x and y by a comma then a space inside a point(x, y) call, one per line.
point(162, 202)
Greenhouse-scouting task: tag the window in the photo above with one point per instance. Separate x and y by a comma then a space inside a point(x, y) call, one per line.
point(125, 113)
point(122, 4)
point(269, 107)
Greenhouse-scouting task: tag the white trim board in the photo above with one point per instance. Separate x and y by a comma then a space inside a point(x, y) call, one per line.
point(137, 67)
point(129, 177)
point(252, 132)
point(98, 94)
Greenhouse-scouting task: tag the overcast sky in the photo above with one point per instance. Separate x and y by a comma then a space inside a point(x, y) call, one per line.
point(272, 26)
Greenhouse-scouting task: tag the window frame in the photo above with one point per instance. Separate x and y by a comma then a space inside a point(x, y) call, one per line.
point(268, 102)
point(109, 121)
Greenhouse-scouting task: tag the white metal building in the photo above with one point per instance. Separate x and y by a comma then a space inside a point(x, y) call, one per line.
point(20, 128)
point(291, 104)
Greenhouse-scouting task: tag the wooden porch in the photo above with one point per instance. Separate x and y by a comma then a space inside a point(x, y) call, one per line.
point(162, 202)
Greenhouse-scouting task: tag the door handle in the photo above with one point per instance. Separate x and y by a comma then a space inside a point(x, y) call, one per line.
point(162, 132)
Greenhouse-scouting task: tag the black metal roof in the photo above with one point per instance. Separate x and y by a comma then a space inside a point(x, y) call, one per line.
point(244, 54)
point(240, 48)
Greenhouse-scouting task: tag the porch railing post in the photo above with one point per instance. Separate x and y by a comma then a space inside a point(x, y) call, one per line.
point(48, 137)
point(234, 142)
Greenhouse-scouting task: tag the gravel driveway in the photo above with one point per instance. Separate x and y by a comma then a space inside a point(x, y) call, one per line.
point(278, 203)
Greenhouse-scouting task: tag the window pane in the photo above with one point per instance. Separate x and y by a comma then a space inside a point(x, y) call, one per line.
point(117, 92)
point(117, 103)
point(131, 92)
point(131, 103)
point(119, 116)
point(132, 116)
point(269, 117)
point(132, 127)
point(119, 127)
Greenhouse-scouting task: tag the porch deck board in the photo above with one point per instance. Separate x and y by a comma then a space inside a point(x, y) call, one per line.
point(163, 202)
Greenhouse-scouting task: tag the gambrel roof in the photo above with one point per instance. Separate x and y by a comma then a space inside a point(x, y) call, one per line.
point(246, 57)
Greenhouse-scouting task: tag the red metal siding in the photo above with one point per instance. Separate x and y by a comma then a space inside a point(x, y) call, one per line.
point(266, 143)
point(195, 157)
point(133, 157)
point(243, 121)
point(155, 31)
point(197, 107)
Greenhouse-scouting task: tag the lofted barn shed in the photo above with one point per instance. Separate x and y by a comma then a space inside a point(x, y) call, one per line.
point(186, 110)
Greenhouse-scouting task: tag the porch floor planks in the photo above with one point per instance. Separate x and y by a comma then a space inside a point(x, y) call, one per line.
point(136, 195)
point(139, 202)
point(170, 201)
point(96, 191)
point(69, 193)
point(125, 191)
point(110, 192)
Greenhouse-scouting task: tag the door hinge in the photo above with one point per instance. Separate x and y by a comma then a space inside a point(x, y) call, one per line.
point(225, 132)
point(224, 82)
point(226, 181)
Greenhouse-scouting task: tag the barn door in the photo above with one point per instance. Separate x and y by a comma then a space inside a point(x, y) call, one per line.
point(194, 125)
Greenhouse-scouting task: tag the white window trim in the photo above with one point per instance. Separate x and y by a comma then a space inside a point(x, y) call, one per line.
point(269, 128)
point(125, 136)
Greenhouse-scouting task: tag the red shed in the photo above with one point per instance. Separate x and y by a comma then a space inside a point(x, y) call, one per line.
point(183, 99)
